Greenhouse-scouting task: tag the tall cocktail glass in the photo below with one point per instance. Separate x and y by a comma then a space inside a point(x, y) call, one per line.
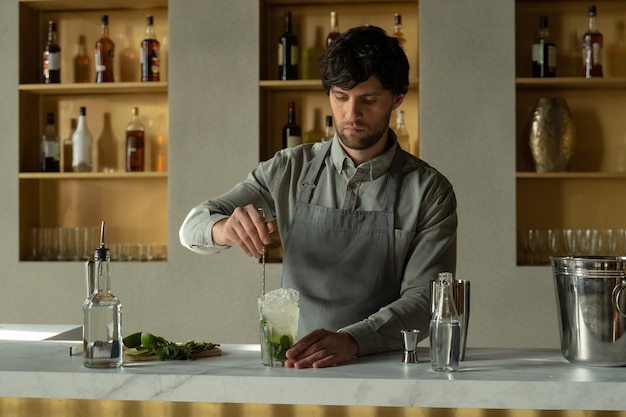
point(279, 311)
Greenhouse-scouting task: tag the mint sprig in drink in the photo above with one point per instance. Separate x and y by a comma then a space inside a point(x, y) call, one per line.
point(279, 311)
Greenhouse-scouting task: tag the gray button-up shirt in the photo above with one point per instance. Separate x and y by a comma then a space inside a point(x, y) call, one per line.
point(425, 223)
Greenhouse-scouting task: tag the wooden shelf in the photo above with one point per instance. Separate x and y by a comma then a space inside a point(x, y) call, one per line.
point(90, 175)
point(50, 5)
point(571, 83)
point(93, 88)
point(305, 85)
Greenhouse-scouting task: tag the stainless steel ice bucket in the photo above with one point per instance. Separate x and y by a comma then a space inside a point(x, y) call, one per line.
point(591, 306)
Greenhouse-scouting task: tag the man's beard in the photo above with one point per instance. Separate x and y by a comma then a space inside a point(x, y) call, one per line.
point(365, 142)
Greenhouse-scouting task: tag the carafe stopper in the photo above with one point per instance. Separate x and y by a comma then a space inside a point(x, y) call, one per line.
point(409, 337)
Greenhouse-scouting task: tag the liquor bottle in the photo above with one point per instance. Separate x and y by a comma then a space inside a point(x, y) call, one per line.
point(544, 52)
point(292, 134)
point(150, 53)
point(316, 133)
point(398, 32)
point(82, 142)
point(288, 52)
point(107, 146)
point(329, 130)
point(592, 48)
point(50, 147)
point(67, 148)
point(104, 54)
point(334, 29)
point(82, 63)
point(401, 133)
point(445, 328)
point(102, 316)
point(52, 56)
point(135, 143)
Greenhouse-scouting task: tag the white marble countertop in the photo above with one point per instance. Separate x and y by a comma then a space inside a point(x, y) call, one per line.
point(489, 378)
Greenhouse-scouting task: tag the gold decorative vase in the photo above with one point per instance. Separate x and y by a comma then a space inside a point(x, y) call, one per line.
point(552, 135)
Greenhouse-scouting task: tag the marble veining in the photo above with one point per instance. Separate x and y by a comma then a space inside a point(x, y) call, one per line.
point(489, 378)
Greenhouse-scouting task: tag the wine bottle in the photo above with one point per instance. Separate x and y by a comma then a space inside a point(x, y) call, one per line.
point(292, 134)
point(52, 56)
point(401, 133)
point(334, 29)
point(288, 52)
point(592, 48)
point(329, 130)
point(104, 54)
point(50, 147)
point(82, 63)
point(398, 32)
point(67, 148)
point(544, 52)
point(150, 53)
point(135, 143)
point(82, 143)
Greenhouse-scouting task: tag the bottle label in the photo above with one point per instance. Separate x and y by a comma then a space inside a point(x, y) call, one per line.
point(280, 54)
point(596, 53)
point(54, 61)
point(293, 141)
point(51, 149)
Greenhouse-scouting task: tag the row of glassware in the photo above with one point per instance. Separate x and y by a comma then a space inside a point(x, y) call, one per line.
point(535, 246)
point(79, 243)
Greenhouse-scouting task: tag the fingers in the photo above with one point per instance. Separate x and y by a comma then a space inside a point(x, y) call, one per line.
point(247, 229)
point(321, 348)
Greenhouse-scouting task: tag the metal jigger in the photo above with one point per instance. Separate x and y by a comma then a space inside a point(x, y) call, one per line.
point(409, 337)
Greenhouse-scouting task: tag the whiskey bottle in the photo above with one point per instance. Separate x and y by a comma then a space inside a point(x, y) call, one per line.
point(288, 52)
point(592, 48)
point(50, 146)
point(398, 32)
point(334, 29)
point(544, 52)
point(82, 143)
point(102, 316)
point(52, 56)
point(135, 143)
point(82, 63)
point(104, 54)
point(292, 134)
point(150, 53)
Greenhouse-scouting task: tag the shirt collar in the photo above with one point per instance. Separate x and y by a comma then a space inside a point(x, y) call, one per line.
point(376, 167)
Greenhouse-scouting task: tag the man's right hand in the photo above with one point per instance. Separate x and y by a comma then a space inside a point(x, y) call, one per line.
point(246, 229)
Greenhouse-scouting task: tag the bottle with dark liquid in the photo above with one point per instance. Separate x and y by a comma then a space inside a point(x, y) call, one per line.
point(104, 54)
point(52, 56)
point(288, 52)
point(334, 29)
point(50, 147)
point(292, 134)
point(82, 63)
point(150, 53)
point(592, 48)
point(135, 143)
point(544, 52)
point(329, 130)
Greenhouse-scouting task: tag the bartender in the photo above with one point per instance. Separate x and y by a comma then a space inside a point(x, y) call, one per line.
point(365, 225)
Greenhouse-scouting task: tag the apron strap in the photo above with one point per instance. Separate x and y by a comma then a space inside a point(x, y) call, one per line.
point(311, 177)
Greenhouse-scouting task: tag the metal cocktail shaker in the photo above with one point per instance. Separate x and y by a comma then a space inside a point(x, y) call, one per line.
point(461, 295)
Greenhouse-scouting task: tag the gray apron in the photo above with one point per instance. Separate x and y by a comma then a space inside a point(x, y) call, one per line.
point(341, 261)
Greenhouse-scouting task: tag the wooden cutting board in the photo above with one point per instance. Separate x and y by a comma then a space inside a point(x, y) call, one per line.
point(215, 351)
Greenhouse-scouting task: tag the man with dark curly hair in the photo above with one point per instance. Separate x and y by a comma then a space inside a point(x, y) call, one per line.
point(365, 225)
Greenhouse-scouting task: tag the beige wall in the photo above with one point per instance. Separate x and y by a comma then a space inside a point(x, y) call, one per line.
point(467, 130)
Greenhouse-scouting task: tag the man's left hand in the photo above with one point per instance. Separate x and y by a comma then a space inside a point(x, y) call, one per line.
point(322, 348)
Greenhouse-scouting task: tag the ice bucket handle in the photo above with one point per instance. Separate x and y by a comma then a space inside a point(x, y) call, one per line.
point(617, 295)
